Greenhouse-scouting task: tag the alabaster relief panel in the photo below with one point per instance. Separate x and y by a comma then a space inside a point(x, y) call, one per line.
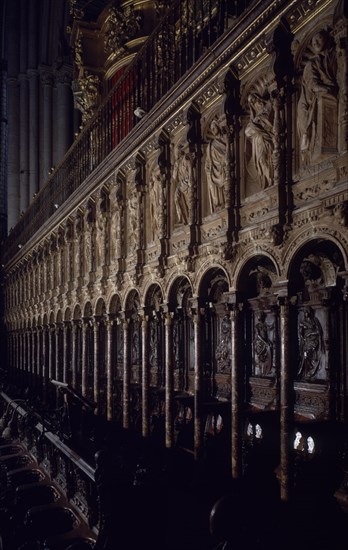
point(182, 177)
point(257, 137)
point(133, 216)
point(317, 106)
point(215, 162)
point(154, 200)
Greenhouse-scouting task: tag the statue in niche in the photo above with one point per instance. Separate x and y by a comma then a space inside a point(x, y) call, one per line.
point(263, 346)
point(216, 166)
point(183, 178)
point(318, 80)
point(311, 344)
point(223, 357)
point(133, 220)
point(153, 351)
point(155, 189)
point(260, 132)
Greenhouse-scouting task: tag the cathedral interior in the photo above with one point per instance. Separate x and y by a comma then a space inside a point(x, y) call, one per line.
point(174, 275)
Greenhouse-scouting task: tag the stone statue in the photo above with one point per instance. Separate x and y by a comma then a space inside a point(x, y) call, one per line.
point(263, 346)
point(223, 353)
point(155, 189)
point(260, 132)
point(183, 178)
point(318, 80)
point(311, 344)
point(216, 166)
point(133, 220)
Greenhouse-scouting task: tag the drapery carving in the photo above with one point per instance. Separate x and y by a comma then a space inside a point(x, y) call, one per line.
point(317, 105)
point(183, 178)
point(311, 344)
point(259, 131)
point(263, 345)
point(216, 165)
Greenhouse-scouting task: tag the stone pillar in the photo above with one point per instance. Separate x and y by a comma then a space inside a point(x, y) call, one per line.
point(46, 127)
point(63, 117)
point(285, 403)
point(65, 350)
point(23, 142)
point(33, 132)
point(145, 376)
point(73, 354)
point(126, 373)
point(96, 363)
point(33, 359)
point(13, 191)
point(57, 350)
point(83, 359)
point(198, 433)
point(109, 376)
point(169, 375)
point(236, 452)
point(50, 354)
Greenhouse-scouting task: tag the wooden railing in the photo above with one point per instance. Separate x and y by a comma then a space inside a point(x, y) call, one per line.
point(184, 34)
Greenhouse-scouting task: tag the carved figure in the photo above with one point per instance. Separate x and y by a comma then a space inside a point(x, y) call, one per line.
point(318, 79)
point(155, 187)
point(260, 132)
point(216, 166)
point(311, 343)
point(183, 177)
point(223, 357)
point(263, 346)
point(133, 220)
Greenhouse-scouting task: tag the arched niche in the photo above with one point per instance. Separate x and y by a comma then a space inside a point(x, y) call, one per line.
point(153, 308)
point(132, 307)
point(216, 335)
point(259, 328)
point(180, 304)
point(318, 329)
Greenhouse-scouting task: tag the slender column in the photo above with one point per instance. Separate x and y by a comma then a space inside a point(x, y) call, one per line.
point(109, 379)
point(33, 358)
point(169, 375)
point(50, 353)
point(236, 455)
point(84, 359)
point(13, 114)
point(73, 354)
point(145, 376)
point(23, 143)
point(198, 435)
point(96, 363)
point(285, 404)
point(64, 114)
point(126, 373)
point(33, 132)
point(56, 359)
point(65, 351)
point(39, 356)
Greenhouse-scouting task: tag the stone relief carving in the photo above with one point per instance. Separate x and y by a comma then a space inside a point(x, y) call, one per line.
point(311, 344)
point(263, 345)
point(183, 178)
point(223, 349)
point(216, 165)
point(133, 220)
point(317, 105)
point(155, 201)
point(259, 130)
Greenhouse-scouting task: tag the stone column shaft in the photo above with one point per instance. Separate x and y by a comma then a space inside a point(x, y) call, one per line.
point(96, 363)
point(145, 377)
point(73, 355)
point(169, 374)
point(198, 435)
point(109, 379)
point(84, 360)
point(285, 405)
point(126, 373)
point(236, 457)
point(65, 352)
